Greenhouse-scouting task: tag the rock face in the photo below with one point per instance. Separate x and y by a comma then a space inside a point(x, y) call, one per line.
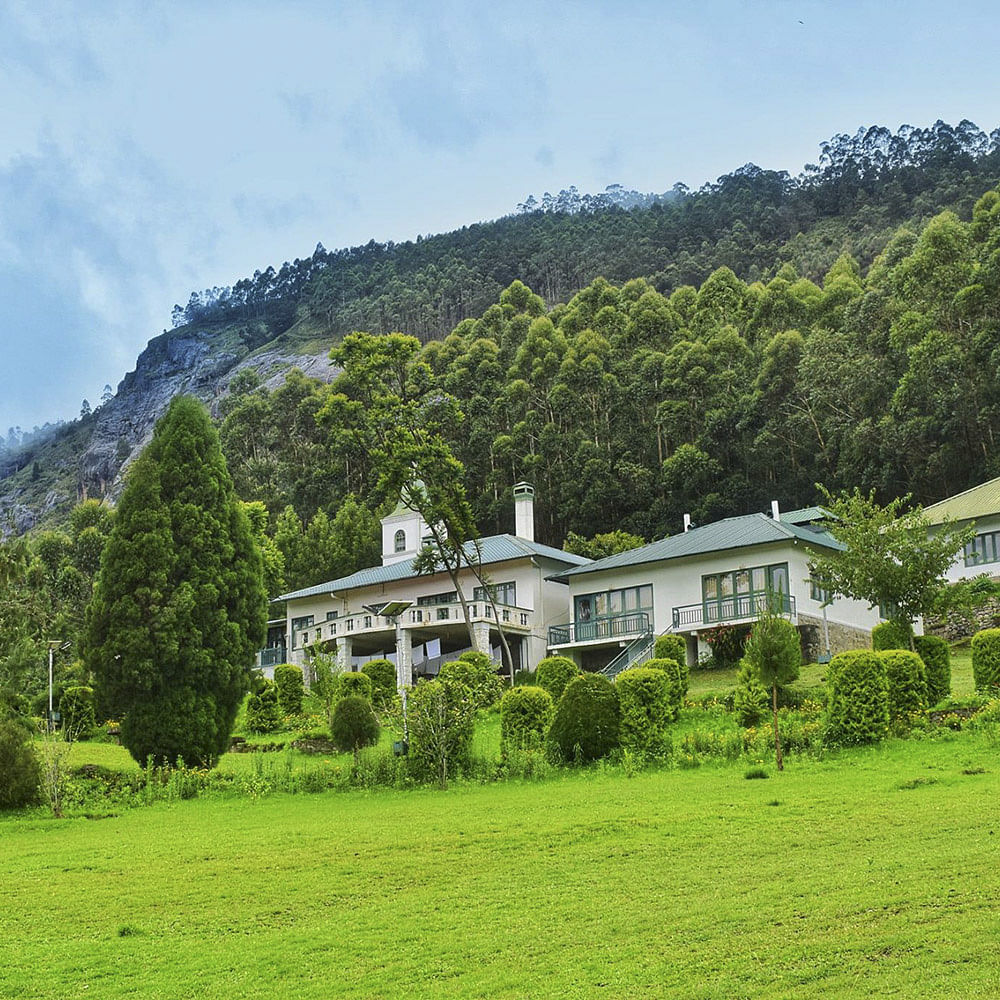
point(87, 459)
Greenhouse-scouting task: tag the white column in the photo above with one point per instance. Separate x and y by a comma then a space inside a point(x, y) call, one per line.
point(404, 658)
point(344, 650)
point(481, 637)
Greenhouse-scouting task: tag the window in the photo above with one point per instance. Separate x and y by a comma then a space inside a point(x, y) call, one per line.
point(300, 623)
point(503, 593)
point(735, 594)
point(818, 592)
point(450, 598)
point(614, 603)
point(983, 549)
point(400, 541)
point(331, 615)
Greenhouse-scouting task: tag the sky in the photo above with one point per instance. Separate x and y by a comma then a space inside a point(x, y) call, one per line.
point(151, 149)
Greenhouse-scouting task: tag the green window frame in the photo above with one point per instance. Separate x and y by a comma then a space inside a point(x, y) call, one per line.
point(503, 593)
point(735, 593)
point(983, 549)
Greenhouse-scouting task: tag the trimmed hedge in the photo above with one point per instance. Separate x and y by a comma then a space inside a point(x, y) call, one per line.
point(891, 635)
point(936, 654)
point(354, 724)
point(478, 673)
point(907, 677)
point(263, 715)
point(586, 722)
point(678, 681)
point(673, 647)
point(525, 714)
point(554, 673)
point(525, 678)
point(76, 706)
point(858, 698)
point(986, 660)
point(288, 681)
point(750, 701)
point(382, 674)
point(354, 685)
point(645, 709)
point(20, 771)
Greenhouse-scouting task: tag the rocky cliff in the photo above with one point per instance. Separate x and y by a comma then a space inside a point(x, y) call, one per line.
point(87, 458)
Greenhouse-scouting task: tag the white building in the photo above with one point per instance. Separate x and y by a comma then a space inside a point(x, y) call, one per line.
point(417, 620)
point(713, 575)
point(979, 506)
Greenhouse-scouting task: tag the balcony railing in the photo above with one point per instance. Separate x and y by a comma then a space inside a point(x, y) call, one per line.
point(612, 627)
point(272, 656)
point(742, 607)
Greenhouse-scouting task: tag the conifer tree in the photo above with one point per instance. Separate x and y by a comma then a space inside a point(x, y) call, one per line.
point(179, 607)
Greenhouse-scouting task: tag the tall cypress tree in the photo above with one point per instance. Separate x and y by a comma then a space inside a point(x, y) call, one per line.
point(179, 606)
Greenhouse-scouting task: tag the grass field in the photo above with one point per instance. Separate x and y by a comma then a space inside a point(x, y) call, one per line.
point(863, 873)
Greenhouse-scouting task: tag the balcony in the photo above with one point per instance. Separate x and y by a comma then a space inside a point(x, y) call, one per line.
point(730, 610)
point(428, 619)
point(600, 630)
point(272, 656)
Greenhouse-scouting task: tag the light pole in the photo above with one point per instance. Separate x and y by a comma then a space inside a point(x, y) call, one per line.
point(54, 644)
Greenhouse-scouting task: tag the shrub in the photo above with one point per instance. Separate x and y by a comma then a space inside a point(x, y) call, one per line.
point(354, 685)
point(907, 677)
point(986, 659)
point(288, 681)
point(673, 647)
point(891, 635)
point(525, 714)
point(858, 699)
point(645, 709)
point(936, 654)
point(750, 699)
point(20, 771)
point(354, 724)
point(263, 714)
point(441, 718)
point(382, 674)
point(678, 681)
point(478, 674)
point(727, 643)
point(77, 709)
point(524, 678)
point(586, 721)
point(554, 673)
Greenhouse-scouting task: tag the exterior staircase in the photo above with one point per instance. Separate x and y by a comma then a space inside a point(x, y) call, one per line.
point(638, 651)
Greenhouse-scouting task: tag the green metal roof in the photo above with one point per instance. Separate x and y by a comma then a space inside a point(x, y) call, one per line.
point(731, 533)
point(493, 549)
point(805, 515)
point(980, 501)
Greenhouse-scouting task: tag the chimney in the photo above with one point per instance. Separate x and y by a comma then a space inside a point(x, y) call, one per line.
point(775, 512)
point(687, 522)
point(524, 511)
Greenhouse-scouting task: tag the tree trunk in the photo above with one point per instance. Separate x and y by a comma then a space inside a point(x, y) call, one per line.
point(777, 739)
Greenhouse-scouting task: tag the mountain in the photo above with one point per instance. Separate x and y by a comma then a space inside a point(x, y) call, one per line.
point(753, 222)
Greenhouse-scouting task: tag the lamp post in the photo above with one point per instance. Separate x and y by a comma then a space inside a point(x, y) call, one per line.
point(54, 644)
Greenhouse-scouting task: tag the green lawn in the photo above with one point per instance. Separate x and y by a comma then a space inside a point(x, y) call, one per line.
point(871, 872)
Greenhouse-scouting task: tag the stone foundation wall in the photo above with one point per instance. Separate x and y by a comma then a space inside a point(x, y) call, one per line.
point(952, 627)
point(842, 638)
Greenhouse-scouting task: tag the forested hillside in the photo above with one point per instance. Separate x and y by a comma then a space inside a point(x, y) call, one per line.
point(627, 408)
point(609, 394)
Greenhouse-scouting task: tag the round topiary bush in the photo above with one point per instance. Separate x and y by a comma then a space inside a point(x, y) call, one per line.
point(585, 726)
point(986, 660)
point(76, 706)
point(645, 709)
point(525, 714)
point(290, 687)
point(936, 654)
point(907, 677)
point(354, 685)
point(382, 674)
point(891, 635)
point(858, 698)
point(678, 681)
point(354, 725)
point(554, 673)
point(263, 713)
point(478, 674)
point(20, 771)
